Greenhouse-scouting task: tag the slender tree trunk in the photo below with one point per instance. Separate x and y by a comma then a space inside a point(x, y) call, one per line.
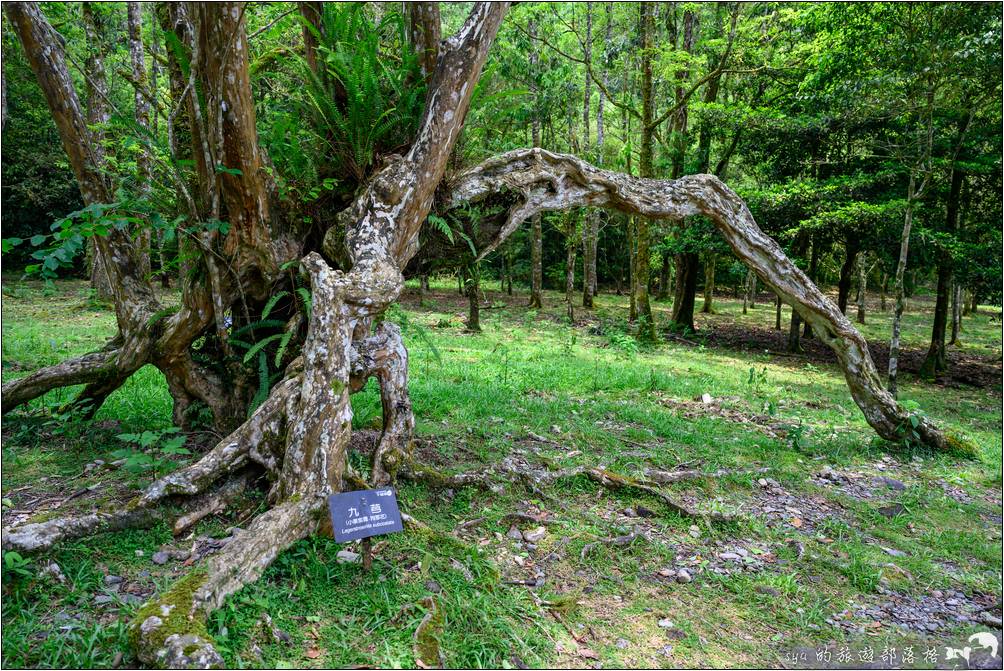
point(884, 280)
point(632, 277)
point(142, 117)
point(777, 312)
point(900, 289)
point(814, 276)
point(473, 290)
point(536, 233)
point(709, 284)
point(646, 330)
point(663, 277)
point(98, 116)
point(862, 285)
point(956, 312)
point(570, 245)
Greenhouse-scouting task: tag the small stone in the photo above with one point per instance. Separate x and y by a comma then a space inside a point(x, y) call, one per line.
point(893, 552)
point(53, 571)
point(666, 623)
point(666, 651)
point(140, 553)
point(763, 482)
point(130, 599)
point(535, 535)
point(347, 557)
point(892, 510)
point(514, 533)
point(99, 462)
point(160, 558)
point(892, 483)
point(622, 643)
point(729, 556)
point(113, 579)
point(642, 511)
point(683, 576)
point(991, 620)
point(555, 428)
point(695, 531)
point(706, 398)
point(433, 586)
point(665, 572)
point(103, 599)
point(143, 574)
point(770, 591)
point(118, 463)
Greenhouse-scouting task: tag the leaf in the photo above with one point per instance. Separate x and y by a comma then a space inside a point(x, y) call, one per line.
point(259, 346)
point(313, 653)
point(796, 522)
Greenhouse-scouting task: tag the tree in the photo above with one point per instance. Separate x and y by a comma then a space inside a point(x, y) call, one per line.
point(296, 436)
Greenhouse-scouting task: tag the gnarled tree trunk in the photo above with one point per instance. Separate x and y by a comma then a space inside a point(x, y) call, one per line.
point(547, 181)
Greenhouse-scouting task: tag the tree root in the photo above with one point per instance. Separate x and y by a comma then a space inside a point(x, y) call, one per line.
point(169, 631)
point(518, 470)
point(626, 539)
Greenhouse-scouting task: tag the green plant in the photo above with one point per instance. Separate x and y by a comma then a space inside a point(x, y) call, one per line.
point(15, 566)
point(150, 450)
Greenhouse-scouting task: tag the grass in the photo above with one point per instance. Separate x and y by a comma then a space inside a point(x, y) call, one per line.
point(598, 399)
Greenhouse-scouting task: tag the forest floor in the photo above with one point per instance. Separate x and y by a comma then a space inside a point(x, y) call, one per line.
point(847, 546)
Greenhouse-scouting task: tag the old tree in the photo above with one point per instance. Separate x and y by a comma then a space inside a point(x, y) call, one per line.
point(249, 252)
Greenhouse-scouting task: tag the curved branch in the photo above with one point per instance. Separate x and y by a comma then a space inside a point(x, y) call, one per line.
point(87, 369)
point(549, 182)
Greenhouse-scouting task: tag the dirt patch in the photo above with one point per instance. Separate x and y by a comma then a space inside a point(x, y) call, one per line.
point(964, 370)
point(706, 406)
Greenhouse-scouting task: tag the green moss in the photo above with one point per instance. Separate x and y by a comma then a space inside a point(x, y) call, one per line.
point(179, 598)
point(427, 635)
point(337, 386)
point(961, 446)
point(159, 315)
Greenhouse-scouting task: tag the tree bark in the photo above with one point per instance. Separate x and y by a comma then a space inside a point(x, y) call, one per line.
point(554, 182)
point(862, 285)
point(646, 322)
point(956, 312)
point(473, 291)
point(777, 312)
point(141, 107)
point(709, 284)
point(936, 360)
point(98, 116)
point(536, 234)
point(685, 293)
point(846, 272)
point(904, 247)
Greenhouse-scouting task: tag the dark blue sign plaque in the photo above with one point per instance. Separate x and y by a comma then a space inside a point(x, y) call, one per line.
point(364, 513)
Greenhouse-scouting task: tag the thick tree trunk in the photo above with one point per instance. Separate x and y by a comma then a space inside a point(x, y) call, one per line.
point(685, 293)
point(936, 360)
point(846, 272)
point(557, 182)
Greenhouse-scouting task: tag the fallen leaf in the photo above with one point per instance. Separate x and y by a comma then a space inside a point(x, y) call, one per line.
point(313, 653)
point(586, 653)
point(796, 522)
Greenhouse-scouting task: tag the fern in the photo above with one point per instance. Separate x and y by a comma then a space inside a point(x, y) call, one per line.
point(271, 303)
point(308, 301)
point(263, 384)
point(260, 324)
point(260, 345)
point(283, 343)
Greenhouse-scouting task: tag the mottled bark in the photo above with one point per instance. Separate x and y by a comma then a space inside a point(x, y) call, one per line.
point(547, 181)
point(536, 234)
point(862, 285)
point(900, 289)
point(425, 34)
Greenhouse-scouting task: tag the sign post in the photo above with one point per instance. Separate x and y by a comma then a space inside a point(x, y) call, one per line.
point(364, 513)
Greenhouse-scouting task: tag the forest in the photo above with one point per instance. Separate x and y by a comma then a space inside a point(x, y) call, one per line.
point(670, 334)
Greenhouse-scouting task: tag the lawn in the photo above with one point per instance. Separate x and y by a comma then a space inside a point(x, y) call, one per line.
point(838, 540)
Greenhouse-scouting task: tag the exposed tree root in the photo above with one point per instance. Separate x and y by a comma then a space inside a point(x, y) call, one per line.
point(215, 501)
point(544, 181)
point(170, 630)
point(519, 471)
point(86, 369)
point(626, 539)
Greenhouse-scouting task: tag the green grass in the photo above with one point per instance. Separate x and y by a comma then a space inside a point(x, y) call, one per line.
point(599, 399)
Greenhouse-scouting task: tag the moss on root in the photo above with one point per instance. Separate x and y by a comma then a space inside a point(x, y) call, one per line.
point(172, 612)
point(962, 446)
